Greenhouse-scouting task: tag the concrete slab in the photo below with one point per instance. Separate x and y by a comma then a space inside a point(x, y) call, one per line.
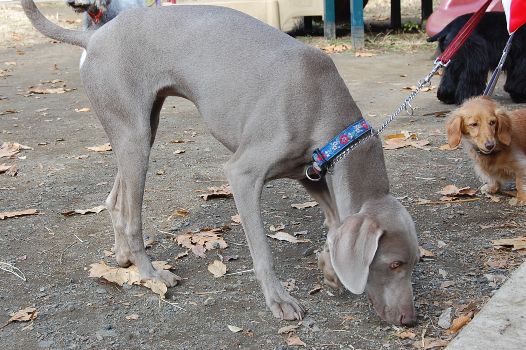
point(501, 324)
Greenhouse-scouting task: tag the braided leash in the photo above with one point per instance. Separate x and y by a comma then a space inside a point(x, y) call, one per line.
point(319, 167)
point(316, 172)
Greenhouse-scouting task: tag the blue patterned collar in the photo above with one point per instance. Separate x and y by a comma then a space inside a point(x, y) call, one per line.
point(323, 157)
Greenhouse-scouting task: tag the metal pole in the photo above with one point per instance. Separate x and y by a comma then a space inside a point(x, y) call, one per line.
point(357, 32)
point(329, 22)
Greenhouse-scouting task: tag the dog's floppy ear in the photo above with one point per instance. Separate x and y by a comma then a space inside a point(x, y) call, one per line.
point(454, 130)
point(352, 247)
point(503, 126)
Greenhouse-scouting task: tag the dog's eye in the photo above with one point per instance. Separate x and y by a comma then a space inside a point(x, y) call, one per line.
point(492, 122)
point(473, 125)
point(395, 264)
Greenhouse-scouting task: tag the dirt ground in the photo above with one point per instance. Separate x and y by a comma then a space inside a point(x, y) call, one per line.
point(59, 174)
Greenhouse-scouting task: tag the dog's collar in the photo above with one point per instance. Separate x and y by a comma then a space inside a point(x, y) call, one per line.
point(323, 158)
point(96, 16)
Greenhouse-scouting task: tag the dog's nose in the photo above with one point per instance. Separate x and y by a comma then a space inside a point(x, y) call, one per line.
point(490, 145)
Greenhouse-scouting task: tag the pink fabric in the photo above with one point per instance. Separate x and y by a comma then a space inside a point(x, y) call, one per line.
point(448, 10)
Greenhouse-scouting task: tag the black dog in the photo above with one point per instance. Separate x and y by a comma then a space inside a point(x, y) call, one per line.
point(466, 74)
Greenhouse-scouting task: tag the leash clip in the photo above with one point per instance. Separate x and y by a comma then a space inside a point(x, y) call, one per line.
point(312, 174)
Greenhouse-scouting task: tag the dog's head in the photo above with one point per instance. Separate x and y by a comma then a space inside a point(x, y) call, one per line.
point(375, 251)
point(481, 122)
point(91, 6)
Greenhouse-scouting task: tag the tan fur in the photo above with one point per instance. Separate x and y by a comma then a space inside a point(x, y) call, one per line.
point(479, 122)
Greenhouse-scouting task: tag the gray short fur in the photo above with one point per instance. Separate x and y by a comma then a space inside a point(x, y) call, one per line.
point(270, 100)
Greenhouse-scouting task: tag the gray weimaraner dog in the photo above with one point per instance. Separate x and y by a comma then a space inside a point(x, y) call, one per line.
point(269, 99)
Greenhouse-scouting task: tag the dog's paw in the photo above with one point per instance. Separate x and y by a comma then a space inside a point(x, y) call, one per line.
point(520, 200)
point(164, 276)
point(489, 188)
point(285, 307)
point(329, 275)
point(282, 305)
point(169, 278)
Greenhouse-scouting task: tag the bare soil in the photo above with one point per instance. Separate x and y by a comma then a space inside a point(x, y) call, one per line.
point(59, 174)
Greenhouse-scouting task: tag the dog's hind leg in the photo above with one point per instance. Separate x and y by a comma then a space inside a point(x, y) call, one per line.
point(122, 249)
point(131, 131)
point(246, 172)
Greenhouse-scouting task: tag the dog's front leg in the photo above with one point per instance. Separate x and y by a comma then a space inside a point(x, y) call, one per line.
point(520, 184)
point(247, 183)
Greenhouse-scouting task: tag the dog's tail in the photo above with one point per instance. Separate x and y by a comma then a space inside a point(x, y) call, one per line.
point(53, 31)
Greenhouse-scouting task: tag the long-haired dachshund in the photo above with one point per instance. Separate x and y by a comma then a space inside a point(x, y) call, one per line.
point(495, 139)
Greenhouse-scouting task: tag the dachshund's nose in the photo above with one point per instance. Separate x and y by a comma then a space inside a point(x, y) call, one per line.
point(490, 145)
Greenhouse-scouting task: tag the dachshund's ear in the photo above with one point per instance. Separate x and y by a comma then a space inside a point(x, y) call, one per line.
point(503, 126)
point(454, 130)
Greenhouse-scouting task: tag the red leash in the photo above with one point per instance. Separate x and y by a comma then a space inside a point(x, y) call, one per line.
point(463, 35)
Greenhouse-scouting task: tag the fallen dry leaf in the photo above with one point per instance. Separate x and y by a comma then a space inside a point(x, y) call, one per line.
point(392, 144)
point(102, 148)
point(460, 322)
point(181, 255)
point(498, 262)
point(199, 242)
point(438, 114)
point(24, 315)
point(44, 91)
point(304, 205)
point(223, 191)
point(294, 340)
point(413, 88)
point(315, 289)
point(179, 151)
point(515, 243)
point(234, 329)
point(217, 268)
point(12, 171)
point(4, 168)
point(181, 213)
point(364, 54)
point(94, 210)
point(12, 214)
point(335, 48)
point(276, 228)
point(405, 335)
point(430, 343)
point(130, 275)
point(9, 149)
point(132, 317)
point(8, 111)
point(284, 236)
point(426, 254)
point(80, 110)
point(236, 219)
point(454, 191)
point(288, 329)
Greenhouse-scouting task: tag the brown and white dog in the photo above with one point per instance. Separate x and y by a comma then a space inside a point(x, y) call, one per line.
point(495, 139)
